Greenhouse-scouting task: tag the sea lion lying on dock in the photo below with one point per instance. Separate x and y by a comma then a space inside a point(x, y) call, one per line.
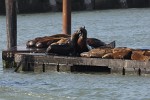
point(141, 55)
point(109, 53)
point(95, 43)
point(121, 53)
point(44, 42)
point(96, 53)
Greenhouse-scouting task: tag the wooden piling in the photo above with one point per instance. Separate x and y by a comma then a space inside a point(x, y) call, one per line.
point(66, 16)
point(11, 23)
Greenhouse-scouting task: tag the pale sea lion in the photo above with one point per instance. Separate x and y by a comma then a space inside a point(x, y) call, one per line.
point(108, 56)
point(97, 52)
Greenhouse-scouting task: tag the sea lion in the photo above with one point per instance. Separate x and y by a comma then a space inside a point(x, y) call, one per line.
point(140, 54)
point(140, 57)
point(41, 42)
point(95, 43)
point(147, 53)
point(65, 46)
point(46, 42)
point(61, 41)
point(82, 41)
point(30, 43)
point(122, 53)
point(96, 53)
point(109, 53)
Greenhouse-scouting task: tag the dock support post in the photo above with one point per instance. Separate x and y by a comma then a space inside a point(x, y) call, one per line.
point(123, 71)
point(139, 72)
point(66, 16)
point(11, 23)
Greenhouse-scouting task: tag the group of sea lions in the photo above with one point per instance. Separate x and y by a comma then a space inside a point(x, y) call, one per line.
point(62, 44)
point(118, 53)
point(78, 44)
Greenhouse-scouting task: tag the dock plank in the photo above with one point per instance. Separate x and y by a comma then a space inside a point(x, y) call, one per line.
point(45, 63)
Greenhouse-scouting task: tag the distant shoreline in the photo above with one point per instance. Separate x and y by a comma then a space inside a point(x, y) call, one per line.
point(39, 6)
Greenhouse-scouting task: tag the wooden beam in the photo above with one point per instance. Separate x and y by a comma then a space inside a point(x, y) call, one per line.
point(11, 23)
point(66, 16)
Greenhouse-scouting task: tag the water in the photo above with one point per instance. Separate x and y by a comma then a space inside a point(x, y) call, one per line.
point(129, 27)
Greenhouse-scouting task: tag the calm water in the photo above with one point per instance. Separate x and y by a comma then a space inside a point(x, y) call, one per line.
point(129, 27)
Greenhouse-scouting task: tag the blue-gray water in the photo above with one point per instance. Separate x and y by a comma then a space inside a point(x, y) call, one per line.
point(129, 27)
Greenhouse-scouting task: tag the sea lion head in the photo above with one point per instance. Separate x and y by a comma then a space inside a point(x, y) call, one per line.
point(30, 43)
point(83, 32)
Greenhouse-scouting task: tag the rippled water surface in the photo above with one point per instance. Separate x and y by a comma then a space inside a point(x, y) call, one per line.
point(129, 27)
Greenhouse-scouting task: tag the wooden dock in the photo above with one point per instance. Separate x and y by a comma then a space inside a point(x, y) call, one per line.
point(40, 62)
point(35, 60)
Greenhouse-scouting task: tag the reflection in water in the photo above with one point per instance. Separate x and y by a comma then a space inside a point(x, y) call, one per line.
point(123, 3)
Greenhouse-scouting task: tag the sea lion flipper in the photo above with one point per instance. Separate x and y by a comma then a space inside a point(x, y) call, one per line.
point(111, 44)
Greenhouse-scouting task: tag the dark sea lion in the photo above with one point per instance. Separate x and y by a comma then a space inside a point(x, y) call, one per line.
point(65, 46)
point(64, 49)
point(95, 43)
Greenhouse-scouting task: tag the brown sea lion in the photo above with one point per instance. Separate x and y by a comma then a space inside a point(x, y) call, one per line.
point(82, 41)
point(46, 40)
point(147, 53)
point(139, 51)
point(61, 41)
point(139, 56)
point(95, 43)
point(65, 46)
point(96, 53)
point(122, 53)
